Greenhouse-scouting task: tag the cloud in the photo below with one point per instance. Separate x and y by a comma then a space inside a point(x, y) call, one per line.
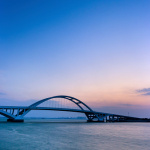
point(128, 105)
point(144, 91)
point(148, 93)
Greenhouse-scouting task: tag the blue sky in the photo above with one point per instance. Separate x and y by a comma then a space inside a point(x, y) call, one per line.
point(95, 50)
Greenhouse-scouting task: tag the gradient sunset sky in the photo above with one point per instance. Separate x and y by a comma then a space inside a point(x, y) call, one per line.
point(95, 50)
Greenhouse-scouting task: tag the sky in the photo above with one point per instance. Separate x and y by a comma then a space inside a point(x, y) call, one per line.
point(95, 50)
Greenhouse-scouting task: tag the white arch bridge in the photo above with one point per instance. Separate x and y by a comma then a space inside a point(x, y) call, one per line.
point(17, 113)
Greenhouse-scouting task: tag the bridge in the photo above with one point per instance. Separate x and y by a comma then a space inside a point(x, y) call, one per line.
point(17, 113)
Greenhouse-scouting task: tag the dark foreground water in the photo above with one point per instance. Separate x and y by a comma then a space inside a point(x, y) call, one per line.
point(49, 135)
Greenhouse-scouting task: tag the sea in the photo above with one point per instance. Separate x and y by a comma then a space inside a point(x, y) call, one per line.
point(61, 134)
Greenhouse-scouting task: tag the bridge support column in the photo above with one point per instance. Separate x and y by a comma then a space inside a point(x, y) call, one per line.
point(15, 120)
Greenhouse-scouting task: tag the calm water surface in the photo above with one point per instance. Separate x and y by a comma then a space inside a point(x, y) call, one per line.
point(56, 135)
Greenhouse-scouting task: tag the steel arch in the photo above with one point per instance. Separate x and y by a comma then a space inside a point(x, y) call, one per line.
point(90, 115)
point(23, 110)
point(72, 99)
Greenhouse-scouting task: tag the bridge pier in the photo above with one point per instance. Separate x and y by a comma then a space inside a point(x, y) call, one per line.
point(95, 120)
point(15, 120)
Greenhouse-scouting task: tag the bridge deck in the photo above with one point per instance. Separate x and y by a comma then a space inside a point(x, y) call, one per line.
point(64, 109)
point(16, 113)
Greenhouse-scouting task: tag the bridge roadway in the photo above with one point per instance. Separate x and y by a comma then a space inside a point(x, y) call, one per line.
point(112, 117)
